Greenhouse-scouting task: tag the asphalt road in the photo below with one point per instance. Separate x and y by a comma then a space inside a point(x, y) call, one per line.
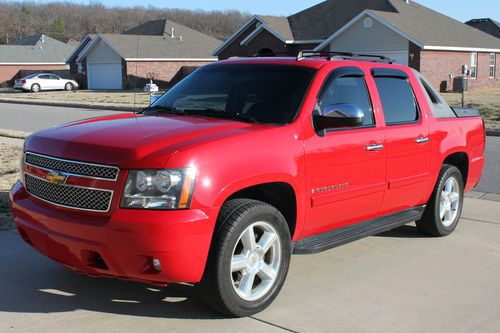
point(29, 118)
point(399, 281)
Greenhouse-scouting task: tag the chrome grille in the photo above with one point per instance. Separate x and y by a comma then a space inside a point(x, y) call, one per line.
point(82, 169)
point(82, 198)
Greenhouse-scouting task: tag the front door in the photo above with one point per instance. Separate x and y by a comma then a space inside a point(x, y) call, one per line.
point(345, 168)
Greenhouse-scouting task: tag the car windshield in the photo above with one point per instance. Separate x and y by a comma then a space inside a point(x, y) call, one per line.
point(268, 94)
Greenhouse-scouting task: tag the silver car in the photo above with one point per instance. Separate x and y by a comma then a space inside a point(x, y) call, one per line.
point(44, 81)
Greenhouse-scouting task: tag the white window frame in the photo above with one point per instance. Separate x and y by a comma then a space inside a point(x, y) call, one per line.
point(473, 65)
point(492, 65)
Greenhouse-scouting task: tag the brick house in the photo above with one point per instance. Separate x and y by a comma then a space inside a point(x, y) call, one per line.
point(402, 30)
point(37, 53)
point(159, 49)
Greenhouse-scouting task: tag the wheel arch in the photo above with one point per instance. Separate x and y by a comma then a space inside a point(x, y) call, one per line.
point(460, 160)
point(280, 195)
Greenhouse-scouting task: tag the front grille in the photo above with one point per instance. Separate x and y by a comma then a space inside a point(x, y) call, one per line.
point(69, 196)
point(82, 169)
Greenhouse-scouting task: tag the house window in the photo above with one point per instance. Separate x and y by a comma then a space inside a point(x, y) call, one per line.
point(492, 65)
point(473, 66)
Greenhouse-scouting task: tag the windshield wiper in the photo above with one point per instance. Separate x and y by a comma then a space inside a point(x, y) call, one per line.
point(162, 109)
point(215, 113)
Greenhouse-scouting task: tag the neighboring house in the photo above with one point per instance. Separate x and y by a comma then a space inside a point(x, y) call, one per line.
point(487, 25)
point(403, 30)
point(33, 54)
point(157, 49)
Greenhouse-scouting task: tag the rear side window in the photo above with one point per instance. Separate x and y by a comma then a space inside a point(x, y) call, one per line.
point(348, 90)
point(397, 100)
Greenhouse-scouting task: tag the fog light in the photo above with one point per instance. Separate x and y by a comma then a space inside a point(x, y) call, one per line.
point(156, 264)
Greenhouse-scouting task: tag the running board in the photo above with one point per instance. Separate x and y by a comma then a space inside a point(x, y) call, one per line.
point(337, 237)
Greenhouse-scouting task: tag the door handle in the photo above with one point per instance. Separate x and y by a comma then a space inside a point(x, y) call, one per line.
point(374, 147)
point(422, 139)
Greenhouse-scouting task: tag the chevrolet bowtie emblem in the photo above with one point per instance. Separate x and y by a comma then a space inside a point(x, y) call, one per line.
point(57, 178)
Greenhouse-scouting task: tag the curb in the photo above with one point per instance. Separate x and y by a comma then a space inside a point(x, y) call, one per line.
point(74, 105)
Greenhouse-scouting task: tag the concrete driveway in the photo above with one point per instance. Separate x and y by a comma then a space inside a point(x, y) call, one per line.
point(399, 281)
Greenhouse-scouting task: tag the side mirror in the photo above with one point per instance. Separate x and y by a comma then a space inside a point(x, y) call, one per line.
point(339, 116)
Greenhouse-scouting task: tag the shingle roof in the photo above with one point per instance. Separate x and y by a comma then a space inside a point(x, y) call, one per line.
point(35, 49)
point(194, 45)
point(431, 28)
point(151, 28)
point(324, 19)
point(278, 24)
point(487, 25)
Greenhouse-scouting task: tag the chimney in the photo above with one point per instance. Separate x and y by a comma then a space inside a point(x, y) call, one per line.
point(407, 1)
point(42, 38)
point(180, 38)
point(172, 32)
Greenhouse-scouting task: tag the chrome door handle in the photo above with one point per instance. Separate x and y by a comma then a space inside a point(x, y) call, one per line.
point(375, 147)
point(422, 139)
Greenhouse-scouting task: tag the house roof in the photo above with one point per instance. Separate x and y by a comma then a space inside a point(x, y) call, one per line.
point(36, 49)
point(279, 24)
point(431, 28)
point(412, 20)
point(325, 18)
point(487, 25)
point(154, 40)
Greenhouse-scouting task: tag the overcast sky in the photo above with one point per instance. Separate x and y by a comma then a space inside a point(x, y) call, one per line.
point(461, 10)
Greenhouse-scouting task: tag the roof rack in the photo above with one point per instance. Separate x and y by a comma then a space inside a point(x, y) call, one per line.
point(343, 56)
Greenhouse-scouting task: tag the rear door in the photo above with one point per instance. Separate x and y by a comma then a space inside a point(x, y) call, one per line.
point(406, 141)
point(345, 167)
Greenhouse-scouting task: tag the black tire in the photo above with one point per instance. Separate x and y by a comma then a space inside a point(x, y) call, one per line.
point(35, 88)
point(68, 86)
point(431, 222)
point(217, 287)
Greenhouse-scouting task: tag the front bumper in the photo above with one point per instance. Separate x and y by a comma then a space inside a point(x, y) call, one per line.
point(126, 241)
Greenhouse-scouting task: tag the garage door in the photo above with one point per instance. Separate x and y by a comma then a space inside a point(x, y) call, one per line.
point(104, 76)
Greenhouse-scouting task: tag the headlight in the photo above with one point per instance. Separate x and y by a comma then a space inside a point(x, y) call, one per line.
point(158, 189)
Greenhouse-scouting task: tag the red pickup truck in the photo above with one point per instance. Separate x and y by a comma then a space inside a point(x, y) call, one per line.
point(243, 163)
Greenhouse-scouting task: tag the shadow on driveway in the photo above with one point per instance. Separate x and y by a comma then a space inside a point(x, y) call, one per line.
point(32, 283)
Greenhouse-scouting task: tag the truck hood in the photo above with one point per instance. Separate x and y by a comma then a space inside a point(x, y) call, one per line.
point(130, 140)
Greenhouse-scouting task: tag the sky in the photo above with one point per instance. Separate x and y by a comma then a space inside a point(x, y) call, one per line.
point(462, 10)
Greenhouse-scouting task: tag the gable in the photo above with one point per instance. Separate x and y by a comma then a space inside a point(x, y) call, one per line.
point(369, 35)
point(102, 53)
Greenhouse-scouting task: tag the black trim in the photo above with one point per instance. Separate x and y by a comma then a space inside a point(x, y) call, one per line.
point(389, 72)
point(337, 237)
point(465, 112)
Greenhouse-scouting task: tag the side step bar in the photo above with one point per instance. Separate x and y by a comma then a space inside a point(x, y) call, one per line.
point(341, 236)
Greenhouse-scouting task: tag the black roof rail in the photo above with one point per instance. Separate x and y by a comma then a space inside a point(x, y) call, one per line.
point(333, 55)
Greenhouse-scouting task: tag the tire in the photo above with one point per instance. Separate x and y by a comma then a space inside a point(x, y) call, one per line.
point(444, 208)
point(232, 263)
point(68, 86)
point(35, 88)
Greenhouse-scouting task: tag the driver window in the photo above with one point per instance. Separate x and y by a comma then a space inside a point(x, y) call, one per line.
point(347, 90)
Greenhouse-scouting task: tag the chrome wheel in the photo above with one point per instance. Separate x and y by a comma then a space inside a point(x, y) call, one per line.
point(255, 261)
point(68, 87)
point(450, 202)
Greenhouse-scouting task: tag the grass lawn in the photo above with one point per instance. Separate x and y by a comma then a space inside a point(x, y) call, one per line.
point(486, 100)
point(9, 173)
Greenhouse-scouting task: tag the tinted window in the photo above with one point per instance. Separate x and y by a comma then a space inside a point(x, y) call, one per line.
point(54, 77)
point(264, 93)
point(397, 99)
point(43, 77)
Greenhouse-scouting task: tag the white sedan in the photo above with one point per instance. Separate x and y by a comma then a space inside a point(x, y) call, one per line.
point(44, 81)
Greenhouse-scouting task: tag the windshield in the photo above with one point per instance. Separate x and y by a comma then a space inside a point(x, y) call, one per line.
point(270, 94)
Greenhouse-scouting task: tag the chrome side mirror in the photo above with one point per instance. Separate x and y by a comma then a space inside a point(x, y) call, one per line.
point(339, 116)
